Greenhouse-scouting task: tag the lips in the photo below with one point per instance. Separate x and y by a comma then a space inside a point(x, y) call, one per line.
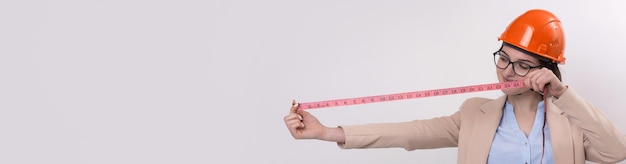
point(509, 80)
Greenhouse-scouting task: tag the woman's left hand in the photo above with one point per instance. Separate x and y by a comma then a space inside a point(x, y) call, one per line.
point(540, 79)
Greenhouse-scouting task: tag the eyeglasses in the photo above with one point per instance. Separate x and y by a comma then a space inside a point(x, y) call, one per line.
point(502, 61)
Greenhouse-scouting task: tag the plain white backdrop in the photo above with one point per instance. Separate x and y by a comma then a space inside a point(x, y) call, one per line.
point(164, 81)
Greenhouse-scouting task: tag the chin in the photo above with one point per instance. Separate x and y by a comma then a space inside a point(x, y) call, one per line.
point(513, 91)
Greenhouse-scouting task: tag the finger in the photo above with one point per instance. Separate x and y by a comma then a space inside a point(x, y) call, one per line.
point(539, 84)
point(528, 83)
point(292, 116)
point(294, 124)
point(534, 79)
point(545, 79)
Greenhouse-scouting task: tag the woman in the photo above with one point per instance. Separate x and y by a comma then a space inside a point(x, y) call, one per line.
point(545, 122)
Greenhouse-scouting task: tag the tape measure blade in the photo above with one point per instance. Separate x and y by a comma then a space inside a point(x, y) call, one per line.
point(410, 95)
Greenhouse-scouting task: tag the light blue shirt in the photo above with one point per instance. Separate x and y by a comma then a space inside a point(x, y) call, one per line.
point(510, 144)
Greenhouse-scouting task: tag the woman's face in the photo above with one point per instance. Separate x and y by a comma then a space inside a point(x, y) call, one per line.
point(523, 63)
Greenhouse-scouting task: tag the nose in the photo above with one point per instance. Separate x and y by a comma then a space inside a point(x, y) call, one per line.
point(508, 71)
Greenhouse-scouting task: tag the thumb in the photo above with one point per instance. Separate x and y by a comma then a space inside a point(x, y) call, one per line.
point(294, 106)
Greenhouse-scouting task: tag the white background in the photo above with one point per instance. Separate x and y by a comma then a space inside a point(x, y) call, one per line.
point(164, 81)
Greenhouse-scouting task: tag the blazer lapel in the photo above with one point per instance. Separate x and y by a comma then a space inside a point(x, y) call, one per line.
point(560, 134)
point(485, 129)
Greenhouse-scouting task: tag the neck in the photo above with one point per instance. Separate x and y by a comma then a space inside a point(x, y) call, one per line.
point(525, 102)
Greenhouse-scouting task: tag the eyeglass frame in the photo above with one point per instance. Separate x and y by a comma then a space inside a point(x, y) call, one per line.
point(495, 62)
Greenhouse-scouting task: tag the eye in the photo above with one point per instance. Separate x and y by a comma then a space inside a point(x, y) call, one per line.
point(523, 66)
point(504, 59)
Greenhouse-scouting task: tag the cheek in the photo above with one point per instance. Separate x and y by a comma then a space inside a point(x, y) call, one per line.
point(499, 74)
point(498, 71)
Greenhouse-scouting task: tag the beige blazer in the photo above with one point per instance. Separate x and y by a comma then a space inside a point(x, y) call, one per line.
point(578, 130)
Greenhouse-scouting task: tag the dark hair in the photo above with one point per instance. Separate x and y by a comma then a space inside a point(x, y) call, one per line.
point(545, 62)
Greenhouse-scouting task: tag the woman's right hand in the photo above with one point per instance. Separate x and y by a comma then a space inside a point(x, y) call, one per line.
point(302, 124)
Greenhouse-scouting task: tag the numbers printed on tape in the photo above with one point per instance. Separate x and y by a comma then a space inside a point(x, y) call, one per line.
point(410, 95)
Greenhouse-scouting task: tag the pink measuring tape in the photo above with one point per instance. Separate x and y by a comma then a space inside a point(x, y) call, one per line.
point(410, 95)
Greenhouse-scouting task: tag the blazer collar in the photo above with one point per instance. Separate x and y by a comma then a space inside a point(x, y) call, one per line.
point(494, 106)
point(560, 132)
point(498, 104)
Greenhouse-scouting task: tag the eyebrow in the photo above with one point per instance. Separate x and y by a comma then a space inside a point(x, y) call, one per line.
point(523, 60)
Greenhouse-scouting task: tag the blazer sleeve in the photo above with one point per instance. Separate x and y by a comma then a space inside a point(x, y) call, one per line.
point(418, 134)
point(603, 142)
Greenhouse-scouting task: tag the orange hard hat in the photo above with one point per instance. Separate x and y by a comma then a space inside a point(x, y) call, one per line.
point(539, 32)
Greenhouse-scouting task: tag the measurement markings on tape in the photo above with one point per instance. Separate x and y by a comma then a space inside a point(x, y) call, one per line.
point(410, 95)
